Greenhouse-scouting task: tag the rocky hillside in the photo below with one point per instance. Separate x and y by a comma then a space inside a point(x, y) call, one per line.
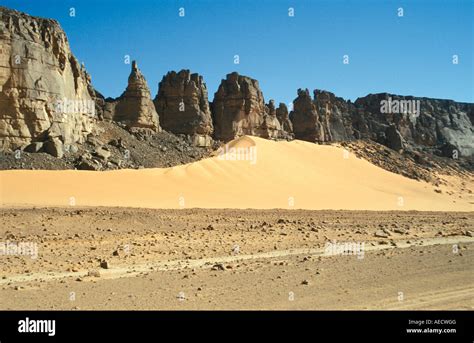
point(51, 116)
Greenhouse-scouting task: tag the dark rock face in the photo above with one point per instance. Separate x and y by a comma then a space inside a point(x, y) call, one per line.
point(183, 106)
point(335, 115)
point(423, 123)
point(284, 119)
point(436, 126)
point(134, 107)
point(238, 107)
point(306, 121)
point(322, 119)
point(393, 138)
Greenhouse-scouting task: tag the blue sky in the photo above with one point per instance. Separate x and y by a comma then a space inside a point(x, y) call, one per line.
point(409, 55)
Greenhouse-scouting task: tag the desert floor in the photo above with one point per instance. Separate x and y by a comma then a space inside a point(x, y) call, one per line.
point(236, 259)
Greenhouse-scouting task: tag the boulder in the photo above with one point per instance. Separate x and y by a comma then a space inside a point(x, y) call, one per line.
point(34, 147)
point(54, 147)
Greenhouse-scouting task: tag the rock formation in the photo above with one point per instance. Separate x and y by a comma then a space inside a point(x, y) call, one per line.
point(270, 127)
point(433, 125)
point(335, 114)
point(399, 122)
point(238, 107)
point(285, 122)
point(48, 104)
point(305, 118)
point(45, 94)
point(134, 107)
point(183, 106)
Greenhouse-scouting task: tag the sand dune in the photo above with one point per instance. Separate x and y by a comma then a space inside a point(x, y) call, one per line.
point(295, 174)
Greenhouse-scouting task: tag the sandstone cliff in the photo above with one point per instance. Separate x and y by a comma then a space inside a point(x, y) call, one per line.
point(45, 94)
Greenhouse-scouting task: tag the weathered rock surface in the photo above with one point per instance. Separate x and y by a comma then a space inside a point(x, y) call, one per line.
point(335, 115)
point(442, 127)
point(306, 119)
point(424, 123)
point(284, 119)
point(183, 106)
point(45, 95)
point(134, 107)
point(238, 108)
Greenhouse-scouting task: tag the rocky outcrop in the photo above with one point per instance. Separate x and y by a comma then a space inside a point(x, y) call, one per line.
point(45, 94)
point(335, 115)
point(324, 118)
point(183, 106)
point(238, 108)
point(284, 119)
point(433, 125)
point(270, 127)
point(398, 122)
point(306, 120)
point(134, 107)
point(393, 138)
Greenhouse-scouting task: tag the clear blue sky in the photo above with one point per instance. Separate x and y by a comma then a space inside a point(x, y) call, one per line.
point(409, 55)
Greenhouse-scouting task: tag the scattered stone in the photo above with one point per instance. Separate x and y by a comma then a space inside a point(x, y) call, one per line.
point(381, 234)
point(218, 266)
point(93, 273)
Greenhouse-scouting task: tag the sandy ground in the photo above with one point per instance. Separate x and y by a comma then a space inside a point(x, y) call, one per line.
point(289, 175)
point(237, 259)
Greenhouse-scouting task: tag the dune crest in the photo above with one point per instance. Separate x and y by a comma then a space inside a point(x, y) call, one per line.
point(288, 175)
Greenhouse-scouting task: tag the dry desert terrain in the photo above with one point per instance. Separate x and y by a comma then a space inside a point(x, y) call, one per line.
point(304, 227)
